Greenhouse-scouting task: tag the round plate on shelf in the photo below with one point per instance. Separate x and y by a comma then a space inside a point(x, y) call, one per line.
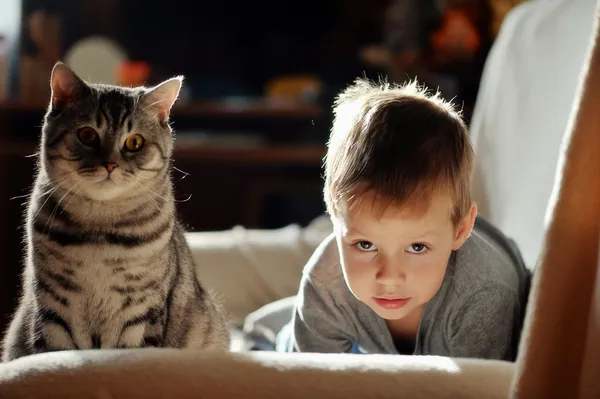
point(96, 59)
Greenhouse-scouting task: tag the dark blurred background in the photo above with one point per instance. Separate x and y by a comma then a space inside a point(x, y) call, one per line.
point(260, 77)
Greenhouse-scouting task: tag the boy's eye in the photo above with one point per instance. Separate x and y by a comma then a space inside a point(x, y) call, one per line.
point(366, 246)
point(417, 248)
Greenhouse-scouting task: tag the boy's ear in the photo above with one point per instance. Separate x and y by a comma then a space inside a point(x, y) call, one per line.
point(465, 227)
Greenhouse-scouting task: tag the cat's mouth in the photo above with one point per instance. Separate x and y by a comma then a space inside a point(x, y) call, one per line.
point(109, 178)
point(102, 186)
point(100, 180)
point(98, 174)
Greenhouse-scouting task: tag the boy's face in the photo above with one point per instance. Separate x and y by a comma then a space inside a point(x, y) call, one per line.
point(396, 263)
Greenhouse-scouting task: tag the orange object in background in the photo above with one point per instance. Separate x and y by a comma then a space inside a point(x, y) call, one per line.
point(298, 88)
point(133, 73)
point(457, 35)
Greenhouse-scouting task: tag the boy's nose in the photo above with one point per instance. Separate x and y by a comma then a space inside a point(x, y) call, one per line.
point(390, 273)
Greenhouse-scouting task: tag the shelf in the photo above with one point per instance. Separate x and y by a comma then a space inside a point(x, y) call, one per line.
point(246, 109)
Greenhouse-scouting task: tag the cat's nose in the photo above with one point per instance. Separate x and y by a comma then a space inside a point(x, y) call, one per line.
point(110, 166)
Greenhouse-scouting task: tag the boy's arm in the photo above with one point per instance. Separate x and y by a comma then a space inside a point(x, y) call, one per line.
point(486, 324)
point(318, 323)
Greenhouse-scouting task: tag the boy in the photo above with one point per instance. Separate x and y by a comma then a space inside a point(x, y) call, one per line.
point(409, 269)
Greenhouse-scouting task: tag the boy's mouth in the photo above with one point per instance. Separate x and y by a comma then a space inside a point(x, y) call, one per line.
point(391, 303)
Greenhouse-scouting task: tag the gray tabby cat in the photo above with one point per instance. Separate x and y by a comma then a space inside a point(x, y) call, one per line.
point(107, 265)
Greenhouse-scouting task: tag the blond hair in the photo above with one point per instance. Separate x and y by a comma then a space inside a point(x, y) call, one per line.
point(399, 142)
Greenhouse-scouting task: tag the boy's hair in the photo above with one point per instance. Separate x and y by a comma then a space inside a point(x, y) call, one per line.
point(399, 142)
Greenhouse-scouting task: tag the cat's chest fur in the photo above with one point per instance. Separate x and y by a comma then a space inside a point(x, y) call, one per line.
point(102, 270)
point(104, 287)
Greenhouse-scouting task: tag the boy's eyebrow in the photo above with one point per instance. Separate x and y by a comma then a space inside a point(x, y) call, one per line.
point(353, 231)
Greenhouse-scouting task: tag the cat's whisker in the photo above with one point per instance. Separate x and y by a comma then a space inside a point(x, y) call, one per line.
point(148, 209)
point(53, 213)
point(145, 192)
point(49, 191)
point(21, 196)
point(70, 199)
point(60, 183)
point(146, 187)
point(29, 195)
point(53, 189)
point(153, 201)
point(185, 174)
point(189, 197)
point(66, 172)
point(141, 183)
point(49, 194)
point(57, 186)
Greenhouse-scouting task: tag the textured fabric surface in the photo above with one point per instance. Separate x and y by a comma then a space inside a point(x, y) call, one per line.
point(164, 373)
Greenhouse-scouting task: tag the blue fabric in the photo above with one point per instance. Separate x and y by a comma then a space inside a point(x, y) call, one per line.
point(357, 350)
point(283, 343)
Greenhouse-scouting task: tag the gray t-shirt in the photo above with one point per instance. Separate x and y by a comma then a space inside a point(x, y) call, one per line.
point(477, 312)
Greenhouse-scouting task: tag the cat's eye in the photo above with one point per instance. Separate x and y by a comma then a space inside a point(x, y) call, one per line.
point(88, 136)
point(134, 143)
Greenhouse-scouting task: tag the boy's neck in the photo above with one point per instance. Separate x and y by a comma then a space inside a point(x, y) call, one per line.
point(406, 329)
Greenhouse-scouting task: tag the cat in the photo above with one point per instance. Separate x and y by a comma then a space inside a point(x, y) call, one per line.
point(107, 264)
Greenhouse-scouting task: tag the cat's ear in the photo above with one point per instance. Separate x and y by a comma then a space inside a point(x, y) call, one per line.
point(67, 87)
point(160, 99)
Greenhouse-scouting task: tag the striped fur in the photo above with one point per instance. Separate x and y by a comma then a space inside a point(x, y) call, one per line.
point(106, 263)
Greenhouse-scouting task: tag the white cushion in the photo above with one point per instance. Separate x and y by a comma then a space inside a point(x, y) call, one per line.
point(250, 268)
point(522, 110)
point(164, 373)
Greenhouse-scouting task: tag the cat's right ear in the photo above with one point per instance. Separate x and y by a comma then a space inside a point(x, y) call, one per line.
point(67, 87)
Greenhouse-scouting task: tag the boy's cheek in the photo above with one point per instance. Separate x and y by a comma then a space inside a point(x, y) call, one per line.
point(358, 273)
point(355, 261)
point(358, 283)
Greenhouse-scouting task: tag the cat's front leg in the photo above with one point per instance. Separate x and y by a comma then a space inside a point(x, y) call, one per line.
point(29, 334)
point(51, 332)
point(17, 341)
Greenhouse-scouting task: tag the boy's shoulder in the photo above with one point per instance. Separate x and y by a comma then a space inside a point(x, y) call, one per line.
point(488, 259)
point(323, 273)
point(324, 264)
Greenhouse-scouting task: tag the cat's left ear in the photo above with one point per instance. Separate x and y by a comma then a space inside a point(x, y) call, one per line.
point(67, 88)
point(160, 99)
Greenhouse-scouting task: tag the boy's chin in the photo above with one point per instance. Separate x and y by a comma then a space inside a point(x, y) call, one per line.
point(392, 314)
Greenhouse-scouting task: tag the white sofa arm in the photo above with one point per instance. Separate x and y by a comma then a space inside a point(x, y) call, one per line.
point(168, 373)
